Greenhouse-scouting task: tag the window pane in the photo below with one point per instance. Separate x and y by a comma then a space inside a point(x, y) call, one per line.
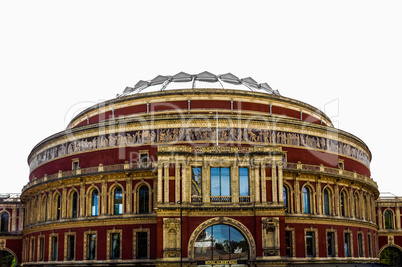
point(4, 222)
point(92, 246)
point(54, 248)
point(215, 182)
point(343, 212)
point(95, 203)
point(310, 244)
point(74, 205)
point(143, 200)
point(41, 248)
point(115, 246)
point(326, 202)
point(220, 242)
point(285, 198)
point(360, 245)
point(225, 171)
point(142, 245)
point(225, 182)
point(196, 182)
point(71, 241)
point(306, 200)
point(58, 208)
point(244, 182)
point(288, 243)
point(203, 245)
point(118, 201)
point(388, 219)
point(330, 244)
point(347, 245)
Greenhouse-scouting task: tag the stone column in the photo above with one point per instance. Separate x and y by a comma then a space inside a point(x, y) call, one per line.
point(64, 203)
point(186, 183)
point(379, 214)
point(177, 181)
point(206, 183)
point(337, 200)
point(166, 182)
point(297, 194)
point(319, 199)
point(82, 200)
point(14, 219)
point(21, 217)
point(351, 204)
point(274, 183)
point(398, 216)
point(103, 201)
point(129, 195)
point(256, 171)
point(263, 183)
point(280, 181)
point(160, 183)
point(234, 187)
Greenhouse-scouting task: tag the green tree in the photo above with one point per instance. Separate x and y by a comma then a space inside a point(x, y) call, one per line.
point(391, 256)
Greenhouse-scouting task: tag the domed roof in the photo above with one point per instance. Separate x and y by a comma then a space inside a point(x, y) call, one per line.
point(202, 80)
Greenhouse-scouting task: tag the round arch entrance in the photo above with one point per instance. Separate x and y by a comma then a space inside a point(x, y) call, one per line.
point(221, 242)
point(391, 255)
point(7, 258)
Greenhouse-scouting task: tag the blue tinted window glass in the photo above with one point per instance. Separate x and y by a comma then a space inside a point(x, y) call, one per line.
point(244, 182)
point(306, 200)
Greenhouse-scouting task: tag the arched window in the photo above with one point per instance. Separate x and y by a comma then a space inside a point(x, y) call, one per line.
point(95, 203)
point(388, 220)
point(219, 242)
point(286, 199)
point(327, 201)
point(58, 207)
point(143, 199)
point(306, 200)
point(365, 215)
point(357, 206)
point(343, 204)
point(44, 205)
point(74, 205)
point(118, 201)
point(4, 222)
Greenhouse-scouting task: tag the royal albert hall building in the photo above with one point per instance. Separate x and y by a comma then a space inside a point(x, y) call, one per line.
point(200, 170)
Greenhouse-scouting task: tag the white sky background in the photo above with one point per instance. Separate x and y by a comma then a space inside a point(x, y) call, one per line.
point(59, 56)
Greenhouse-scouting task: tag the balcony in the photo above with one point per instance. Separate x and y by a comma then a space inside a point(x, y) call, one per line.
point(133, 166)
point(221, 199)
point(329, 171)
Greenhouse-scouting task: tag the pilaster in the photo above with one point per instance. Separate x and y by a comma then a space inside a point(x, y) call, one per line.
point(256, 171)
point(160, 183)
point(280, 181)
point(14, 219)
point(234, 188)
point(129, 195)
point(166, 187)
point(103, 200)
point(82, 200)
point(64, 202)
point(177, 181)
point(318, 193)
point(263, 183)
point(274, 183)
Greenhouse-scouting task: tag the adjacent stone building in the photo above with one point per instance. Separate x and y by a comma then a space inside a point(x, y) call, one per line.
point(202, 170)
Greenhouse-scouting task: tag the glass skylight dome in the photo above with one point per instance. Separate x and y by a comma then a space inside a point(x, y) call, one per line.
point(204, 80)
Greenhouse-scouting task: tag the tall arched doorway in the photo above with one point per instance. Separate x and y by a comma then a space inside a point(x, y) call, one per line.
point(391, 256)
point(221, 242)
point(7, 259)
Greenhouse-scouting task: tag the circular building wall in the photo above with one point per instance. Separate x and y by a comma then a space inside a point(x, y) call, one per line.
point(131, 180)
